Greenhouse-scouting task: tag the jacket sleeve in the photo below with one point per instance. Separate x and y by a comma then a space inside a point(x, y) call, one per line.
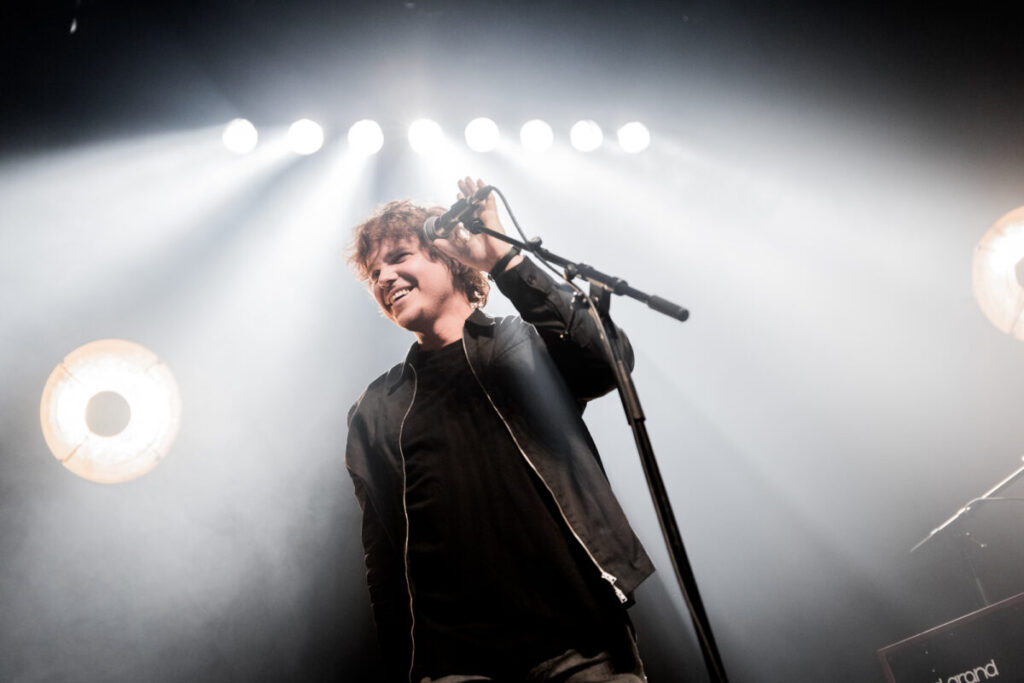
point(385, 569)
point(568, 330)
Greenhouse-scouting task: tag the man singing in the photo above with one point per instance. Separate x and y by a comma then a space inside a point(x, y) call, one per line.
point(495, 549)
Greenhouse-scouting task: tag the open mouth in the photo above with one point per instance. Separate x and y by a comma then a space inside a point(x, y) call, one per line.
point(398, 295)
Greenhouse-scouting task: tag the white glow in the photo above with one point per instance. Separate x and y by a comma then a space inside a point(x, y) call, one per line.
point(586, 136)
point(425, 136)
point(634, 137)
point(240, 136)
point(305, 137)
point(124, 368)
point(482, 135)
point(995, 279)
point(365, 137)
point(536, 136)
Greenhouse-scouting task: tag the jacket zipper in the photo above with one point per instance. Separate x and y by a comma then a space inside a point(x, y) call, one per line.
point(405, 512)
point(607, 576)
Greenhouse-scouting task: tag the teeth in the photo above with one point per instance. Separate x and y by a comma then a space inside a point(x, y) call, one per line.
point(399, 293)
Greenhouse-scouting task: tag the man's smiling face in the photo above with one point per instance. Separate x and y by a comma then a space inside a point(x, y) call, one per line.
point(412, 289)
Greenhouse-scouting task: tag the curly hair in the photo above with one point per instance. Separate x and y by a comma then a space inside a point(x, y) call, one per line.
point(402, 220)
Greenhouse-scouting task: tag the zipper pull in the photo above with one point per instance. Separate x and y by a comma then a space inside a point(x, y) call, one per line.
point(618, 592)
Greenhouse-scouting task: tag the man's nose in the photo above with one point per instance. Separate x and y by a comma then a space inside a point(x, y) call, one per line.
point(386, 276)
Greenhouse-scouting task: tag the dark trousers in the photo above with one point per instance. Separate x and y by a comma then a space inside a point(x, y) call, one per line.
point(620, 666)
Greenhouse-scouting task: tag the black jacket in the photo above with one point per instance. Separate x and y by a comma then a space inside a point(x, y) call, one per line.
point(537, 375)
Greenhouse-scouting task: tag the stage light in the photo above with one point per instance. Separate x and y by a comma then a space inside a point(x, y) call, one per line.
point(305, 137)
point(110, 411)
point(482, 135)
point(240, 136)
point(425, 136)
point(634, 137)
point(998, 273)
point(536, 136)
point(365, 137)
point(586, 136)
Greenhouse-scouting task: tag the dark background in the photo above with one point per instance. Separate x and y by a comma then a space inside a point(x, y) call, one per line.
point(818, 178)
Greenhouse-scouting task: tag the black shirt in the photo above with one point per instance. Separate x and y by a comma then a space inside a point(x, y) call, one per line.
point(499, 582)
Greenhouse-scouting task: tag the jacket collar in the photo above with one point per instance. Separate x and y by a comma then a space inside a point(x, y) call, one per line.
point(477, 322)
point(478, 319)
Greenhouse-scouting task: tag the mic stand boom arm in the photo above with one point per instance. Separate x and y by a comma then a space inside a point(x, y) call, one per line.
point(610, 283)
point(988, 495)
point(602, 286)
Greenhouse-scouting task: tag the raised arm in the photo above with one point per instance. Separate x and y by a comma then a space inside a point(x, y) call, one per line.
point(568, 330)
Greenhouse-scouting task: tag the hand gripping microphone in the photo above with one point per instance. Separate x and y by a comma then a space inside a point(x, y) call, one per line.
point(440, 227)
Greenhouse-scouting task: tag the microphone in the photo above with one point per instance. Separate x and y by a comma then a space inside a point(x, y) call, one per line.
point(440, 227)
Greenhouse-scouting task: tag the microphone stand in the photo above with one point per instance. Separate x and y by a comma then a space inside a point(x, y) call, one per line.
point(987, 497)
point(602, 286)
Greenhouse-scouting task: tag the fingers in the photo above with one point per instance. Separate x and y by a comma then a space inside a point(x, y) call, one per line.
point(467, 187)
point(490, 202)
point(486, 210)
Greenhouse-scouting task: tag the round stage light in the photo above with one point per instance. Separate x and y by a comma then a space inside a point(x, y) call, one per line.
point(482, 135)
point(586, 136)
point(305, 137)
point(536, 136)
point(240, 136)
point(425, 136)
point(110, 411)
point(365, 137)
point(634, 137)
point(998, 273)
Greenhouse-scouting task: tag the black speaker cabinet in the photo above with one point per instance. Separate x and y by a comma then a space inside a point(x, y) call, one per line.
point(987, 645)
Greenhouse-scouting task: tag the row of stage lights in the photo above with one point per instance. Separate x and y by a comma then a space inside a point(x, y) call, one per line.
point(425, 136)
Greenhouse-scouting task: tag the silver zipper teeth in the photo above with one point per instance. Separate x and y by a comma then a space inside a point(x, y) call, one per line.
point(405, 511)
point(610, 578)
